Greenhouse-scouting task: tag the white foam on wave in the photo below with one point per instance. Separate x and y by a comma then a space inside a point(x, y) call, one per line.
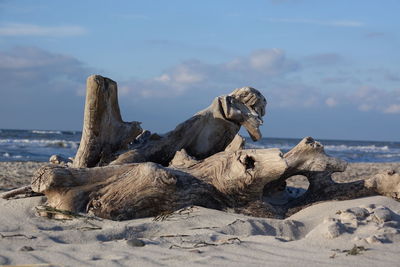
point(40, 142)
point(369, 148)
point(388, 155)
point(7, 155)
point(45, 132)
point(261, 146)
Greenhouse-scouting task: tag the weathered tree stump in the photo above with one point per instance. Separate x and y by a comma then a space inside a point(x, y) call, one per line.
point(103, 132)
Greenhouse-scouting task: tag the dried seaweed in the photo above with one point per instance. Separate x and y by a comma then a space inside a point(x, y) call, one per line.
point(163, 216)
point(355, 250)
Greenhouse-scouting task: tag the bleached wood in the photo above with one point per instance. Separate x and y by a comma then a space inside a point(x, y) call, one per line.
point(103, 132)
point(208, 132)
point(226, 179)
point(386, 183)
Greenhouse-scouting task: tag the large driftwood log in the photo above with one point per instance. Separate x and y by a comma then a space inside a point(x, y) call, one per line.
point(234, 179)
point(208, 132)
point(103, 132)
point(226, 179)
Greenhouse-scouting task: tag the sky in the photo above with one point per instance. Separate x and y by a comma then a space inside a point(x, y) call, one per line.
point(329, 69)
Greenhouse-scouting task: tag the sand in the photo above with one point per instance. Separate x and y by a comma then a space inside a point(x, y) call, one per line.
point(321, 235)
point(17, 174)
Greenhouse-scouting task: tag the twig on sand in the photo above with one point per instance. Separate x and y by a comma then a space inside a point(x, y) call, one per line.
point(17, 235)
point(27, 190)
point(173, 236)
point(205, 227)
point(206, 244)
point(89, 228)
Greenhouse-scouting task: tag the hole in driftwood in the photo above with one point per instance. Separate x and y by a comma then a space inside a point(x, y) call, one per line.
point(282, 193)
point(249, 162)
point(297, 185)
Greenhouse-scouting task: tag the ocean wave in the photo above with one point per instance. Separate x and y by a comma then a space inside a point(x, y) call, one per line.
point(45, 132)
point(7, 155)
point(261, 146)
point(336, 148)
point(40, 142)
point(368, 148)
point(388, 155)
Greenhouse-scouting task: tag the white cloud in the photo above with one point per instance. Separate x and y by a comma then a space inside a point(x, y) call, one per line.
point(331, 102)
point(41, 89)
point(269, 62)
point(370, 98)
point(394, 108)
point(184, 75)
point(17, 29)
point(365, 107)
point(28, 68)
point(268, 70)
point(258, 67)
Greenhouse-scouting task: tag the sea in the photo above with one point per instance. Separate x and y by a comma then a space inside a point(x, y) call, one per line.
point(39, 145)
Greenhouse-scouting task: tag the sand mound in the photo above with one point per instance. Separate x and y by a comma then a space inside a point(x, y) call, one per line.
point(320, 235)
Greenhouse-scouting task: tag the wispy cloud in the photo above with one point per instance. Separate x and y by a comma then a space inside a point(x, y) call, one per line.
point(257, 67)
point(370, 98)
point(374, 35)
point(333, 23)
point(18, 29)
point(26, 69)
point(325, 59)
point(284, 79)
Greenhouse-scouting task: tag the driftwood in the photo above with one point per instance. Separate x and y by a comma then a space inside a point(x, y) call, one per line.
point(227, 179)
point(201, 162)
point(103, 132)
point(208, 132)
point(16, 192)
point(385, 183)
point(106, 138)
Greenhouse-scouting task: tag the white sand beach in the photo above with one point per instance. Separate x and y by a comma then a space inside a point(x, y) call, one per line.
point(360, 232)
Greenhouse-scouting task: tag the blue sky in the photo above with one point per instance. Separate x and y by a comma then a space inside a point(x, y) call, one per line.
point(329, 69)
